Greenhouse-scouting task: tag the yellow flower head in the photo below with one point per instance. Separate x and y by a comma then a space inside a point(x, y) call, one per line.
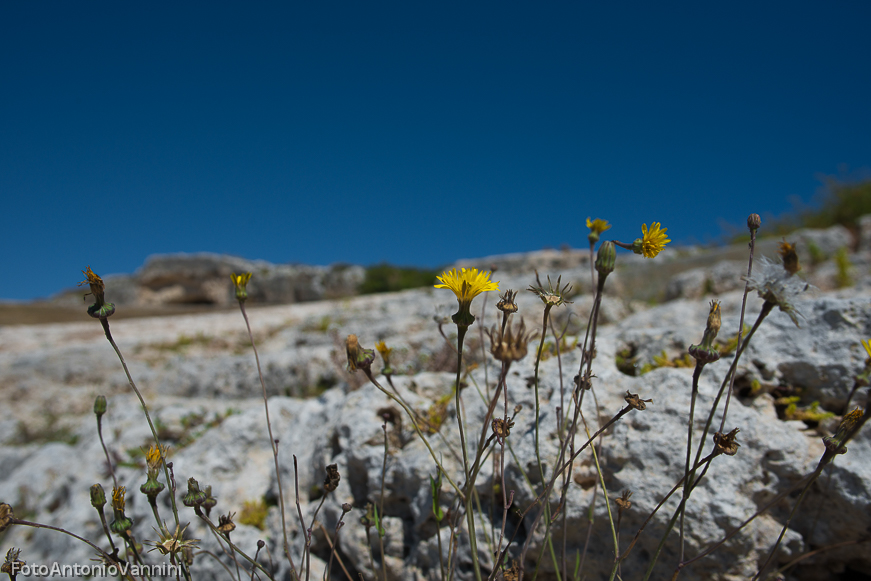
point(118, 498)
point(653, 240)
point(598, 225)
point(787, 253)
point(154, 455)
point(240, 281)
point(866, 343)
point(467, 284)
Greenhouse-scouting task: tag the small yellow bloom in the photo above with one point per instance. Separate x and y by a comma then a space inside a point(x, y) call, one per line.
point(866, 343)
point(653, 240)
point(467, 284)
point(383, 349)
point(240, 281)
point(598, 225)
point(118, 498)
point(154, 455)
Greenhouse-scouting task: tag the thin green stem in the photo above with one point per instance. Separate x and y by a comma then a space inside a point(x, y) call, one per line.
point(273, 443)
point(105, 324)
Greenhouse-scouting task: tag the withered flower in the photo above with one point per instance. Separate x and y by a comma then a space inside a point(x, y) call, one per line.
point(226, 524)
point(509, 344)
point(623, 503)
point(506, 302)
point(12, 566)
point(173, 544)
point(358, 357)
point(551, 296)
point(501, 428)
point(636, 402)
point(100, 309)
point(705, 352)
point(848, 426)
point(787, 253)
point(727, 444)
point(331, 482)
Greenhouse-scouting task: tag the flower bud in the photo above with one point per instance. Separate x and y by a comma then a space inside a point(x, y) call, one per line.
point(605, 258)
point(98, 497)
point(194, 496)
point(100, 405)
point(754, 222)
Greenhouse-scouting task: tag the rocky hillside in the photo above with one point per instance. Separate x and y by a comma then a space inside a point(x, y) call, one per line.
point(199, 379)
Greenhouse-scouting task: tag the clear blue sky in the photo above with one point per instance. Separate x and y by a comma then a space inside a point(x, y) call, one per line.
point(409, 132)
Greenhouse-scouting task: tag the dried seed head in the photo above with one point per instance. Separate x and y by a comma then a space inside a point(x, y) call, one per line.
point(727, 444)
point(331, 482)
point(226, 524)
point(6, 516)
point(636, 402)
point(623, 503)
point(506, 302)
point(509, 343)
point(174, 544)
point(501, 428)
point(551, 296)
point(12, 566)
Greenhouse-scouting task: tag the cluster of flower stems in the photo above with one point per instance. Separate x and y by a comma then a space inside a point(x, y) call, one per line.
point(509, 343)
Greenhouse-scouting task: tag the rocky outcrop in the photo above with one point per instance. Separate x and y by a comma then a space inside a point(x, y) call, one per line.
point(204, 279)
point(200, 381)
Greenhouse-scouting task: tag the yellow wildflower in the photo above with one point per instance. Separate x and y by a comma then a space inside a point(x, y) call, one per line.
point(866, 343)
point(383, 349)
point(118, 498)
point(653, 240)
point(596, 227)
point(154, 455)
point(466, 284)
point(240, 281)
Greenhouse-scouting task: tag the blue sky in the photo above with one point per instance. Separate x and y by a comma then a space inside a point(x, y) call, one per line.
point(414, 133)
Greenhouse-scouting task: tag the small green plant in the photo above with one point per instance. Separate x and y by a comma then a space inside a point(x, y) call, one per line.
point(385, 277)
point(662, 360)
point(817, 255)
point(842, 262)
point(254, 513)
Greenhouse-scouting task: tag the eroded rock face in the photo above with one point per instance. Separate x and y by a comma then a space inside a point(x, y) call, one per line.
point(200, 381)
